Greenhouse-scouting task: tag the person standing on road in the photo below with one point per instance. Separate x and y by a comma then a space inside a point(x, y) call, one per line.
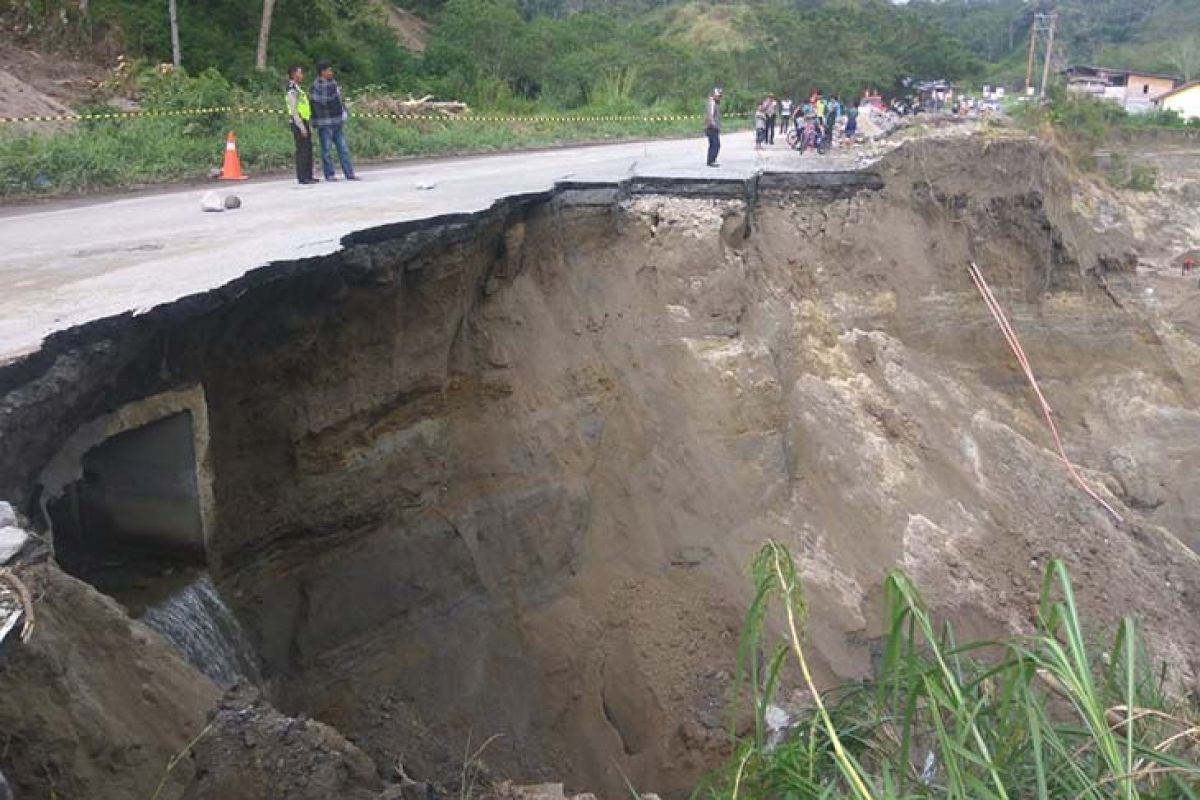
point(851, 122)
point(785, 115)
point(299, 113)
point(760, 123)
point(712, 126)
point(329, 116)
point(833, 110)
point(772, 117)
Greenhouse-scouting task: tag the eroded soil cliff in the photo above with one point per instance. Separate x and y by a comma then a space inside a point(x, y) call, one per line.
point(504, 474)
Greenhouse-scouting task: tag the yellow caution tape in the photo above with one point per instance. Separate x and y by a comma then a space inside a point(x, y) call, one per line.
point(195, 112)
point(117, 115)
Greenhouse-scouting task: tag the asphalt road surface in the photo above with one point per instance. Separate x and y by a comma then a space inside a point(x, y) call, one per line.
point(72, 262)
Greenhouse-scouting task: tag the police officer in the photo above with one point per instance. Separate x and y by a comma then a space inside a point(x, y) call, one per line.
point(300, 112)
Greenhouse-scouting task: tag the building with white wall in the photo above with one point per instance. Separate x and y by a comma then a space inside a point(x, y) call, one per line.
point(1185, 100)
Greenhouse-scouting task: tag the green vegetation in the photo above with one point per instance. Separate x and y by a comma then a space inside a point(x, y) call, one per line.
point(500, 56)
point(1079, 123)
point(1161, 36)
point(103, 154)
point(570, 53)
point(1135, 177)
point(552, 54)
point(1083, 126)
point(1045, 715)
point(528, 57)
point(219, 34)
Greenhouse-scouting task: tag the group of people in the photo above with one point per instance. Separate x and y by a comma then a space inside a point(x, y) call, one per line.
point(817, 117)
point(323, 108)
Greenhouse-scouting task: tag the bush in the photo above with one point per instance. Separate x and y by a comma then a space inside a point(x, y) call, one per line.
point(1042, 715)
point(175, 90)
point(1124, 174)
point(1078, 122)
point(1162, 119)
point(1082, 124)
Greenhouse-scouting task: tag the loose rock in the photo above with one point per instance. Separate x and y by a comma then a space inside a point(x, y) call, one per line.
point(212, 202)
point(12, 539)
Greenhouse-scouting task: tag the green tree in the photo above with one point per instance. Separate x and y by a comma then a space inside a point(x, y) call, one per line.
point(478, 49)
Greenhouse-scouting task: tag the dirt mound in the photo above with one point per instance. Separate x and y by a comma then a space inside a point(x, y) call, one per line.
point(19, 99)
point(250, 751)
point(503, 473)
point(34, 83)
point(95, 705)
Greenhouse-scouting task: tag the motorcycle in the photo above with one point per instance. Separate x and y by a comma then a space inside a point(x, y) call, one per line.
point(808, 134)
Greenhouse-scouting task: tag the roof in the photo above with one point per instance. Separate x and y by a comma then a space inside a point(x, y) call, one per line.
point(1120, 71)
point(1177, 90)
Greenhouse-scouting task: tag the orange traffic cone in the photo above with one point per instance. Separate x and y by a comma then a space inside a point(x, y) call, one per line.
point(232, 171)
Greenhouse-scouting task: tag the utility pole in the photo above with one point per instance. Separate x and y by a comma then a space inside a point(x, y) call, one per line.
point(176, 58)
point(1043, 25)
point(1033, 28)
point(1053, 23)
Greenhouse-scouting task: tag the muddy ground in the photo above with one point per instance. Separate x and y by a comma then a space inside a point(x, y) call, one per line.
point(504, 475)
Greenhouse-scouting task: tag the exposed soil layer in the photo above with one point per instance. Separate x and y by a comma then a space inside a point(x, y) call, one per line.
point(95, 704)
point(252, 751)
point(502, 474)
point(34, 84)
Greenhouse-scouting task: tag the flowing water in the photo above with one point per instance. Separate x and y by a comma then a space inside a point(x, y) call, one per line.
point(196, 621)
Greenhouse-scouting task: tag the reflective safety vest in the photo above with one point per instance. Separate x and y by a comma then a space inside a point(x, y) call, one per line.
point(303, 107)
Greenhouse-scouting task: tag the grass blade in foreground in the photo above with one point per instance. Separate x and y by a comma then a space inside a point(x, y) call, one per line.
point(1023, 717)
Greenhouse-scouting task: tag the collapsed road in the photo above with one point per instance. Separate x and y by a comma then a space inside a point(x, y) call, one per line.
point(501, 473)
point(74, 262)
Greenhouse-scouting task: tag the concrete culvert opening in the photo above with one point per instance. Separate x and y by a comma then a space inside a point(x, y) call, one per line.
point(131, 525)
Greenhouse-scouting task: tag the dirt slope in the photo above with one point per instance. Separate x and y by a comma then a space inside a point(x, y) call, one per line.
point(22, 100)
point(411, 31)
point(95, 705)
point(558, 484)
point(35, 84)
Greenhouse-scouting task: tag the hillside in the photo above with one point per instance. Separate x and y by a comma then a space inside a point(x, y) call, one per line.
point(1157, 35)
point(706, 25)
point(411, 30)
point(620, 55)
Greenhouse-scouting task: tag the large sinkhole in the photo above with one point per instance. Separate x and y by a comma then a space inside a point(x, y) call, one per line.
point(503, 476)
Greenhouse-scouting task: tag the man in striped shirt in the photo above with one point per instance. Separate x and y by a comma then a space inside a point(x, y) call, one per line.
point(329, 117)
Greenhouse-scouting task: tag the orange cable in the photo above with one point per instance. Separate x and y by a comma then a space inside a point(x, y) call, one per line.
point(1014, 344)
